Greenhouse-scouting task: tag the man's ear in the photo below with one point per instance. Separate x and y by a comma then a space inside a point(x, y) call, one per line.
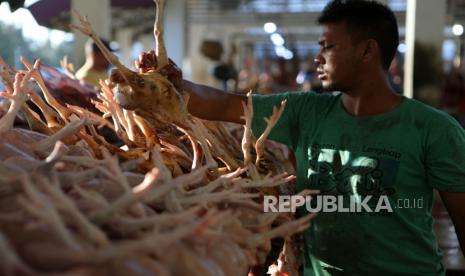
point(370, 50)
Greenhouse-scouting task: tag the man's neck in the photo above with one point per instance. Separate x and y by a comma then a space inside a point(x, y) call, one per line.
point(372, 98)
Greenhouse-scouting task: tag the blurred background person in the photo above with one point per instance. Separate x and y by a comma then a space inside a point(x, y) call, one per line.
point(96, 65)
point(454, 91)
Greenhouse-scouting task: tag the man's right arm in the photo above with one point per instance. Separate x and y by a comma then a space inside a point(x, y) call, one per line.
point(209, 103)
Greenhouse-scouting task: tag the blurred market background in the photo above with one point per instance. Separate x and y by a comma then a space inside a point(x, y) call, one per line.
point(264, 45)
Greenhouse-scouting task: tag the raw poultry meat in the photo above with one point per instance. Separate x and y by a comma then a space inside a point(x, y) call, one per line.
point(175, 199)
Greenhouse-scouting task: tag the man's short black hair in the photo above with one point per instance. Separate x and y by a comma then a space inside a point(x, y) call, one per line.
point(366, 20)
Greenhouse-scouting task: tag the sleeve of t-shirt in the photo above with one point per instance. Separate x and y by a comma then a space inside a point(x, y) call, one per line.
point(287, 128)
point(445, 157)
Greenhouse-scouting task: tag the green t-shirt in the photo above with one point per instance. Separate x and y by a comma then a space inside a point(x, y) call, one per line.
point(401, 155)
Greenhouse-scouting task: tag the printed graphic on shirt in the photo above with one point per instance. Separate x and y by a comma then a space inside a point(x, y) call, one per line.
point(370, 172)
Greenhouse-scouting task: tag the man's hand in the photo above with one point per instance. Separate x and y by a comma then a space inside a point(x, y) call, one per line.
point(147, 62)
point(174, 74)
point(454, 205)
point(205, 102)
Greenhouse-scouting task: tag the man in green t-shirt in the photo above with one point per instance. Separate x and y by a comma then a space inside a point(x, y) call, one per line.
point(366, 146)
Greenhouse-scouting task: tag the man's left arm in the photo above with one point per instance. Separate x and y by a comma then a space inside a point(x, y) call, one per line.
point(445, 159)
point(455, 205)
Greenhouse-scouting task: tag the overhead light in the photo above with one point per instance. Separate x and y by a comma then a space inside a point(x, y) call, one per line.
point(457, 29)
point(280, 51)
point(283, 52)
point(288, 54)
point(270, 27)
point(277, 39)
point(300, 79)
point(402, 48)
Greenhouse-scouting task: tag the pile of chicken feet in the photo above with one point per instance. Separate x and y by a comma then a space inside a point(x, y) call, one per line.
point(174, 200)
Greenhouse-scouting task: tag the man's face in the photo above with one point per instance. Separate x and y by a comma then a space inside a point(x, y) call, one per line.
point(339, 60)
